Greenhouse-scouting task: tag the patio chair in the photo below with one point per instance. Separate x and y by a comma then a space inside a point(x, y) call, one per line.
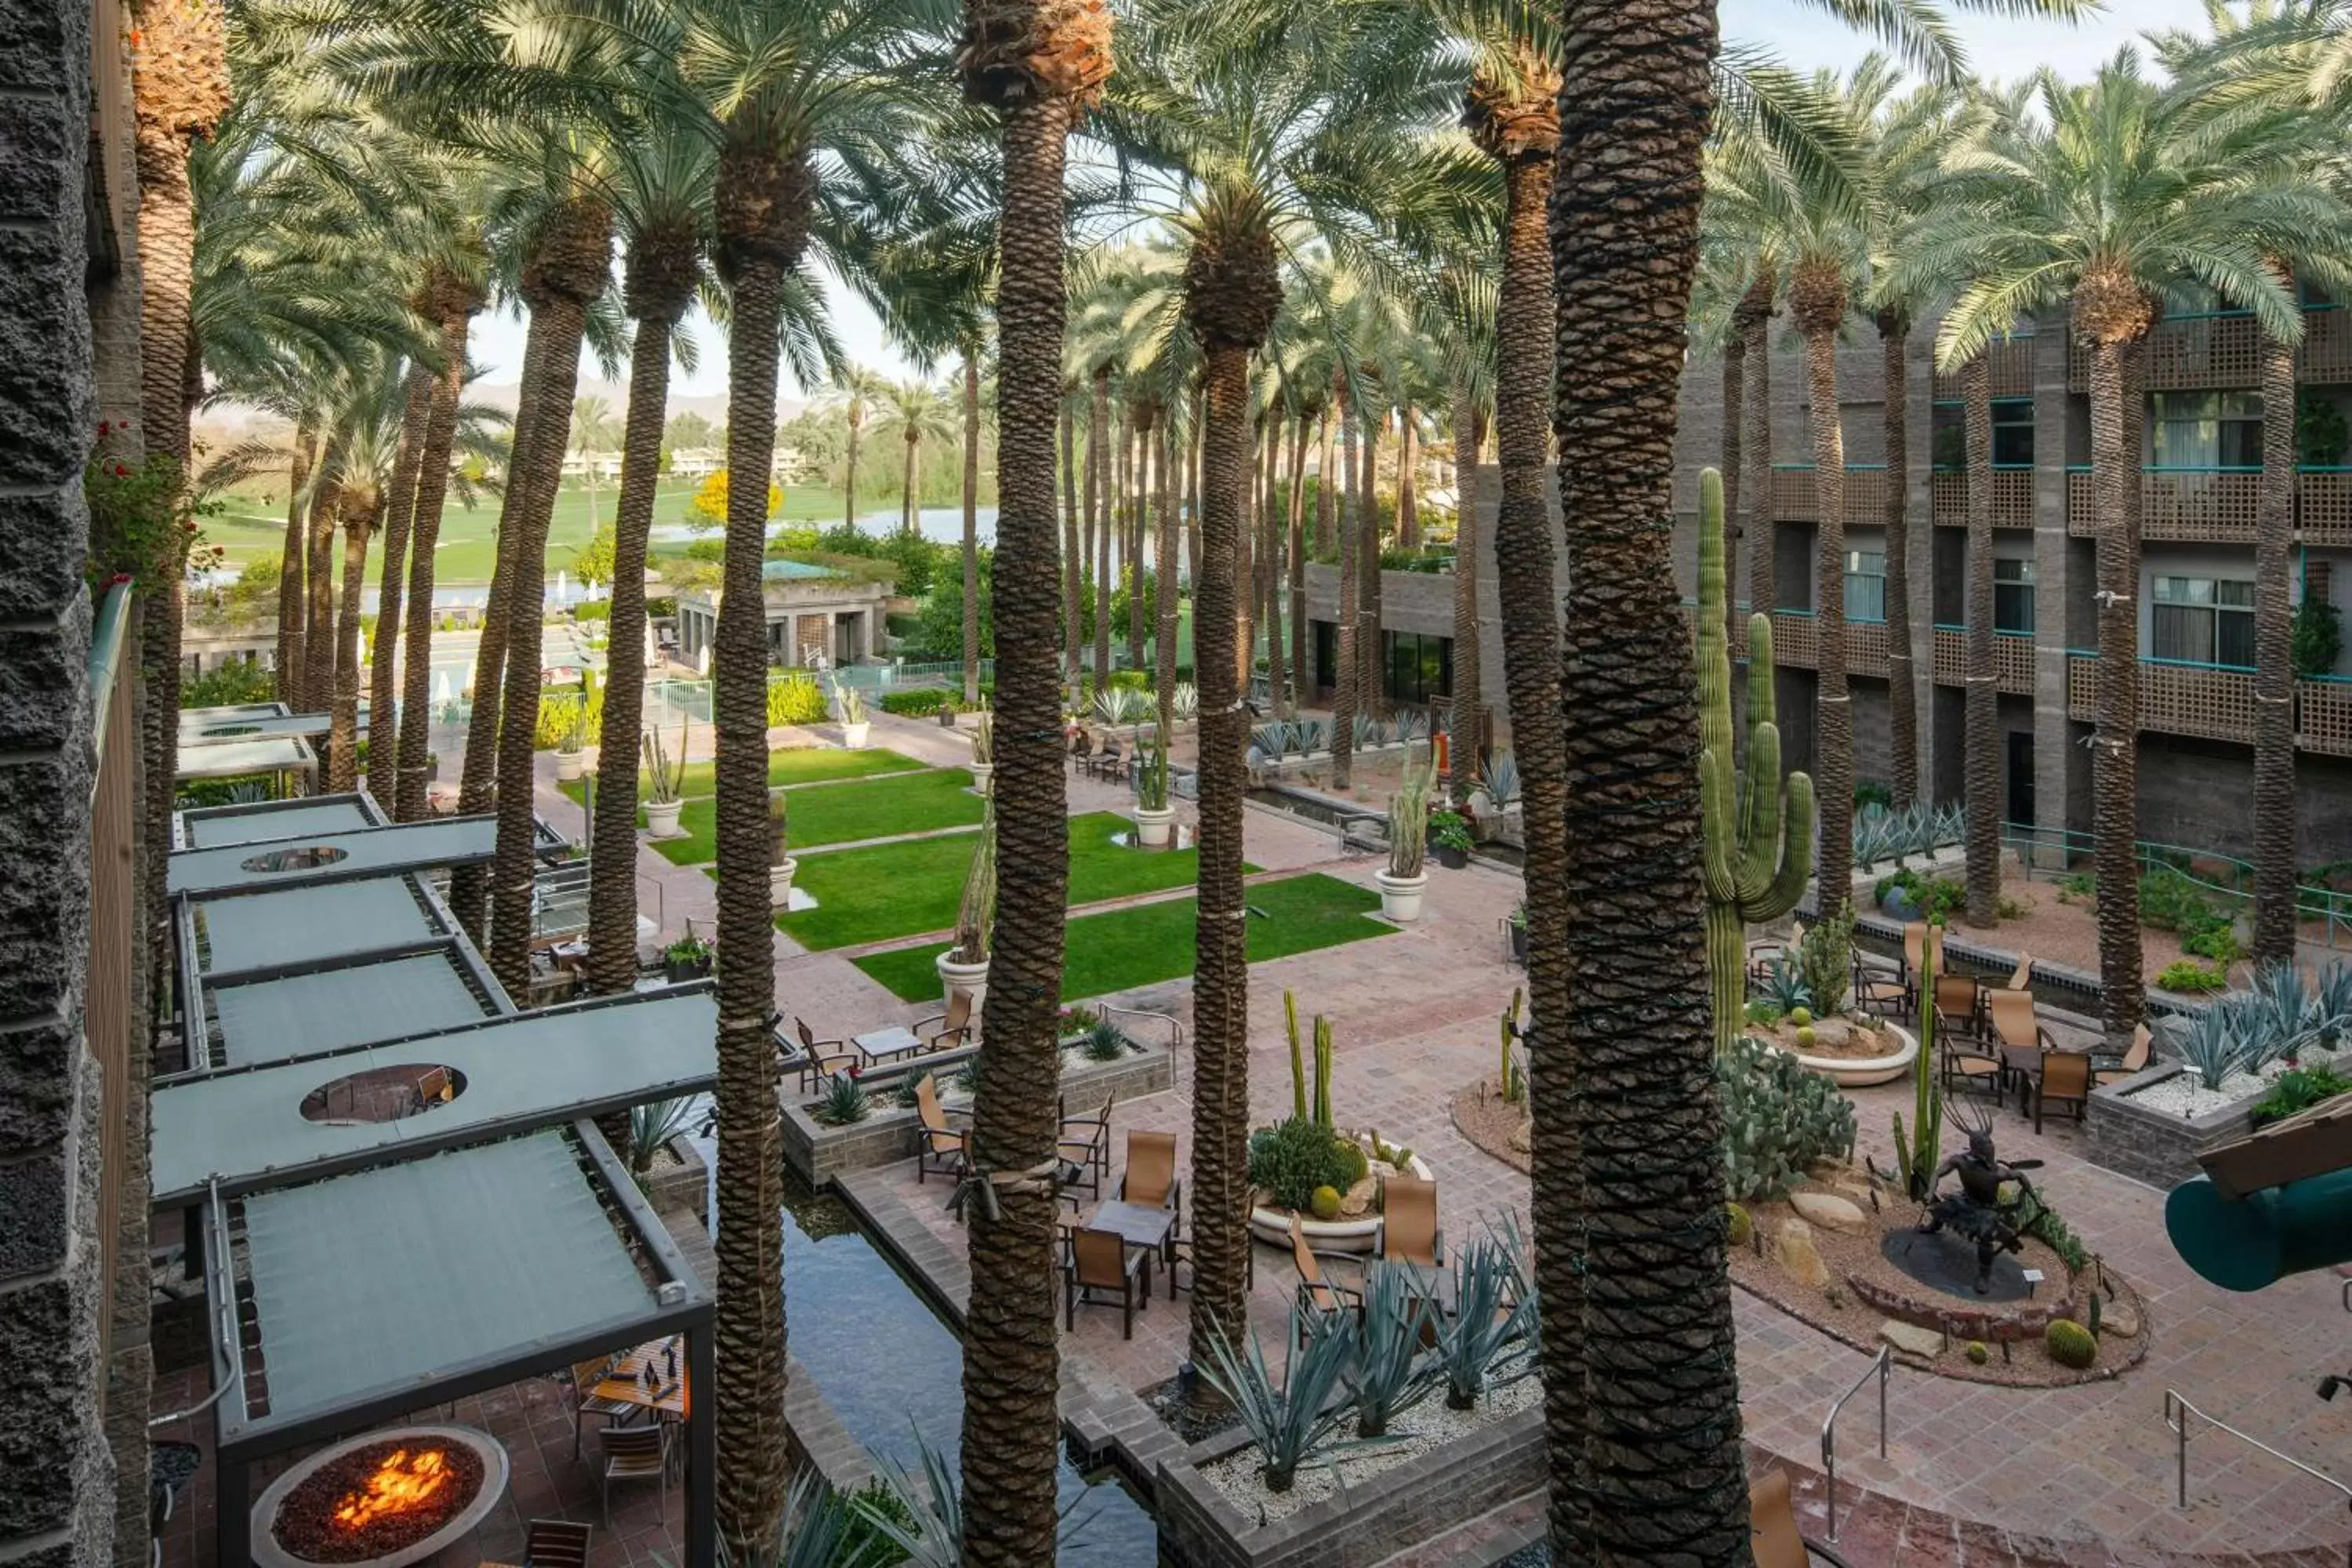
point(555, 1543)
point(819, 1059)
point(2063, 1075)
point(636, 1454)
point(1920, 942)
point(2021, 977)
point(1958, 1065)
point(944, 1148)
point(954, 1024)
point(1084, 1148)
point(1772, 1534)
point(2109, 1069)
point(1150, 1178)
point(2015, 1021)
point(1886, 992)
point(1096, 1261)
point(585, 1376)
point(1958, 1003)
point(1109, 763)
point(1322, 1299)
point(1762, 950)
point(1409, 1229)
point(1082, 746)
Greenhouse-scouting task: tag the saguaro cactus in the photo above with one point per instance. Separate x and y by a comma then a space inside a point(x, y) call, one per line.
point(1758, 854)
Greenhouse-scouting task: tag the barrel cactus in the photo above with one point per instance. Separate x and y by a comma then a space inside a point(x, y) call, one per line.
point(1739, 1227)
point(2070, 1344)
point(1324, 1204)
point(1758, 855)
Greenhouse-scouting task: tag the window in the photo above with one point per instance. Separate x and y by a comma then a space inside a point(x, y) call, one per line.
point(1865, 586)
point(1416, 667)
point(2013, 432)
point(1327, 654)
point(2208, 429)
point(2200, 620)
point(2012, 595)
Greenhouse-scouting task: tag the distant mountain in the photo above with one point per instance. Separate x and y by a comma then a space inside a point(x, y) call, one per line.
point(710, 406)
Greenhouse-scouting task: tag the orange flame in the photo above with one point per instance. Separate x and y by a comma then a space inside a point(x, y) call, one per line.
point(402, 1482)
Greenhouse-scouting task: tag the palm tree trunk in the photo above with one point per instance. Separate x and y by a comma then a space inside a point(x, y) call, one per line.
point(513, 870)
point(907, 502)
point(319, 650)
point(849, 475)
point(1294, 560)
point(1662, 1468)
point(459, 304)
point(612, 857)
point(1408, 494)
point(1221, 1105)
point(1345, 698)
point(342, 734)
point(1735, 391)
point(1011, 1363)
point(1982, 713)
point(1371, 689)
point(971, 523)
point(292, 576)
point(2274, 827)
point(1074, 553)
point(1245, 568)
point(1163, 579)
point(1194, 473)
point(1139, 521)
point(1270, 568)
point(1099, 510)
point(2114, 773)
point(1833, 719)
point(384, 726)
point(1757, 526)
point(1901, 684)
point(1328, 485)
point(751, 1325)
point(1462, 748)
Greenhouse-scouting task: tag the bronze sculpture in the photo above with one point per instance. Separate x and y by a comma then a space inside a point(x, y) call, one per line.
point(1976, 1212)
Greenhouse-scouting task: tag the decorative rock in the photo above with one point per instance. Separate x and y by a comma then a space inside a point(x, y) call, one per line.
point(1793, 1246)
point(1523, 1138)
point(1832, 1032)
point(2118, 1319)
point(1911, 1339)
point(1828, 1211)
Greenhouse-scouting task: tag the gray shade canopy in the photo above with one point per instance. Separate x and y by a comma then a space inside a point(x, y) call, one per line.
point(334, 816)
point(333, 857)
point(301, 925)
point(233, 759)
point(301, 1015)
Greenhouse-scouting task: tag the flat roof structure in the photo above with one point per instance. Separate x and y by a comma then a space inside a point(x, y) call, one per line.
point(258, 727)
point(236, 759)
point(303, 925)
point(288, 819)
point(266, 1019)
point(318, 858)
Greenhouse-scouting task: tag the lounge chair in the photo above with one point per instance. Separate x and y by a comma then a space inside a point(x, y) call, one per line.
point(1920, 942)
point(585, 1376)
point(944, 1148)
point(1322, 1299)
point(2109, 1068)
point(1409, 1228)
point(555, 1543)
point(819, 1059)
point(1096, 1261)
point(2063, 1075)
point(636, 1454)
point(1772, 1534)
point(1084, 1148)
point(954, 1025)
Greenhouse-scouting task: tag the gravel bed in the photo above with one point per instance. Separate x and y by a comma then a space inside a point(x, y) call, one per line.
point(1429, 1425)
point(2178, 1096)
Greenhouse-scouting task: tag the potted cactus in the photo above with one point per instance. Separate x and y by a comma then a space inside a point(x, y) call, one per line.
point(965, 966)
point(1405, 880)
point(850, 703)
point(665, 777)
point(781, 864)
point(983, 752)
point(571, 755)
point(1153, 815)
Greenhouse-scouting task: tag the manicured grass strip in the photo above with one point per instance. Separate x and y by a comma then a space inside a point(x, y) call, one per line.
point(1122, 948)
point(843, 814)
point(796, 764)
point(904, 889)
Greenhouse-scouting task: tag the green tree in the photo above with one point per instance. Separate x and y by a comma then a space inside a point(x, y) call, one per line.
point(592, 561)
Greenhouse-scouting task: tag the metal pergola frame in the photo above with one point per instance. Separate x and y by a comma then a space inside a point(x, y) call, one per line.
point(391, 851)
point(360, 799)
point(684, 1306)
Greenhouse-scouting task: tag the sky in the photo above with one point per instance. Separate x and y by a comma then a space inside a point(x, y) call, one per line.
point(1998, 46)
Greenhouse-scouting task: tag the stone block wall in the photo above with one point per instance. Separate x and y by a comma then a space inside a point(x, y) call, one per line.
point(56, 1476)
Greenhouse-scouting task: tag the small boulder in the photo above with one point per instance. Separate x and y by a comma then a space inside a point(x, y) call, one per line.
point(1833, 1033)
point(1793, 1246)
point(1911, 1339)
point(2118, 1319)
point(1523, 1138)
point(1828, 1211)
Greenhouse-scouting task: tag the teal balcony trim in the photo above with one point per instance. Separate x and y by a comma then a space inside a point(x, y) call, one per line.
point(1808, 468)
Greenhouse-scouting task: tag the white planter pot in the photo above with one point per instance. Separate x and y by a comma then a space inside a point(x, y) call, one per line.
point(1151, 826)
point(1272, 1226)
point(1861, 1072)
point(1401, 896)
point(780, 882)
point(972, 979)
point(981, 774)
point(661, 817)
point(853, 735)
point(570, 765)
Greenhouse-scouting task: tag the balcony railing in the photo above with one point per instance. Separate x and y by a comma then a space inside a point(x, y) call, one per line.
point(2224, 348)
point(1796, 641)
point(2217, 505)
point(1792, 493)
point(2215, 701)
point(2013, 497)
point(2011, 365)
point(2013, 659)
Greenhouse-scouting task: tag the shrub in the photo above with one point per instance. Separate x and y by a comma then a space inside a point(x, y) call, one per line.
point(2038, 1219)
point(794, 699)
point(2071, 1344)
point(2078, 885)
point(1292, 1158)
point(2218, 943)
point(1826, 955)
point(919, 703)
point(238, 681)
point(1778, 1118)
point(1324, 1203)
point(592, 610)
point(1352, 1161)
point(1763, 1011)
point(2299, 1090)
point(2191, 979)
point(2316, 637)
point(1738, 1228)
point(1871, 792)
point(1937, 898)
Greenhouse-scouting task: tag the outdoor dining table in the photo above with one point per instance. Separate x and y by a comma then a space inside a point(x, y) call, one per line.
point(625, 1381)
point(880, 1046)
point(1140, 1224)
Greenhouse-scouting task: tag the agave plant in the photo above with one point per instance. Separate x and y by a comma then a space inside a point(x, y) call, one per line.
point(1105, 1042)
point(2215, 1045)
point(2334, 990)
point(1387, 1376)
point(1412, 728)
point(1369, 732)
point(1312, 734)
point(1116, 705)
point(820, 1529)
point(1292, 1421)
point(845, 1102)
point(1184, 703)
point(927, 1524)
point(653, 1124)
point(1273, 738)
point(1486, 1344)
point(1498, 776)
point(1784, 984)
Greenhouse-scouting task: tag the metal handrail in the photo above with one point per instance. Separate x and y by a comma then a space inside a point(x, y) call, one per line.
point(1882, 1365)
point(2176, 1411)
point(1174, 1043)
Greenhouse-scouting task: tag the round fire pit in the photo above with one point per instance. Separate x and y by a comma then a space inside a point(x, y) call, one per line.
point(385, 1499)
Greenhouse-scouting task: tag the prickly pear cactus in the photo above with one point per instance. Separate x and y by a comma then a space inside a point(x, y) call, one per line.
point(1758, 854)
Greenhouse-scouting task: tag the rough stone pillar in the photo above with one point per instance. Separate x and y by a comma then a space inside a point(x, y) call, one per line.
point(2057, 761)
point(57, 1479)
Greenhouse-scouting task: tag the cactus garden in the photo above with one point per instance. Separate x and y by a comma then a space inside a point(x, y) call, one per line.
point(1307, 1164)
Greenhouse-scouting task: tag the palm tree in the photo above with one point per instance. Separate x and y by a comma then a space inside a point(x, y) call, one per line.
point(1661, 1471)
point(856, 391)
point(971, 421)
point(592, 432)
point(2118, 205)
point(1037, 63)
point(915, 409)
point(665, 181)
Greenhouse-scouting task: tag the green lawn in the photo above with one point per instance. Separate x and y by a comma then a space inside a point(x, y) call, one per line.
point(1122, 948)
point(792, 766)
point(900, 889)
point(843, 814)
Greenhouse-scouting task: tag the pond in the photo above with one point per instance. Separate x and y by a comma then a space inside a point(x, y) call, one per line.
point(893, 1372)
